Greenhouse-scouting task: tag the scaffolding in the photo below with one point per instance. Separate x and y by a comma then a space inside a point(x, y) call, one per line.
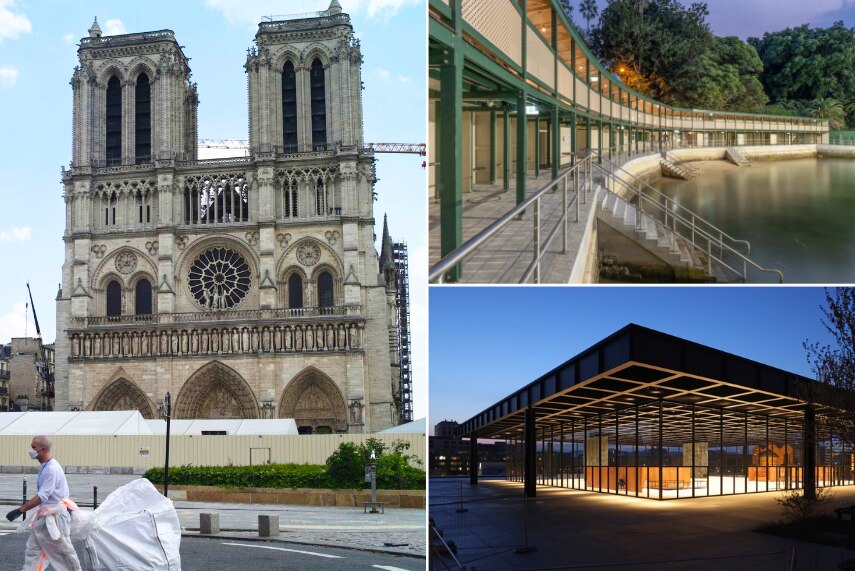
point(402, 302)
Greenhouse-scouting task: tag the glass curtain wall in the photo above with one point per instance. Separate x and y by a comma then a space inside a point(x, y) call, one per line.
point(670, 450)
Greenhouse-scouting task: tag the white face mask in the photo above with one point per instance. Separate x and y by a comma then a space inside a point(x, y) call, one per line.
point(33, 454)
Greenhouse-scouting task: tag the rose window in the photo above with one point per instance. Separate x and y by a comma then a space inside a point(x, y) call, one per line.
point(219, 279)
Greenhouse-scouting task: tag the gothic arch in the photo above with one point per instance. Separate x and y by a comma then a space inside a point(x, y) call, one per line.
point(121, 393)
point(185, 260)
point(142, 65)
point(108, 70)
point(286, 54)
point(216, 391)
point(107, 267)
point(289, 259)
point(315, 51)
point(314, 401)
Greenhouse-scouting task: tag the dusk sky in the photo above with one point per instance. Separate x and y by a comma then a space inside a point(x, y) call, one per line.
point(746, 18)
point(488, 342)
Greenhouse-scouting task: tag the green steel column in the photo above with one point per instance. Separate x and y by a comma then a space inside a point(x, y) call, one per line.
point(600, 142)
point(536, 146)
point(450, 146)
point(522, 154)
point(506, 149)
point(587, 134)
point(492, 147)
point(573, 137)
point(556, 143)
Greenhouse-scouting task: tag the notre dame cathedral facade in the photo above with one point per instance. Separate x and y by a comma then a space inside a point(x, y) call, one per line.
point(246, 287)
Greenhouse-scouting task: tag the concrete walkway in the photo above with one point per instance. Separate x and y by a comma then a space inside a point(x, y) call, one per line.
point(585, 530)
point(506, 256)
point(397, 531)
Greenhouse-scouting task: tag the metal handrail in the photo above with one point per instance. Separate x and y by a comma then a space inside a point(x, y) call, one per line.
point(711, 228)
point(438, 271)
point(445, 546)
point(694, 233)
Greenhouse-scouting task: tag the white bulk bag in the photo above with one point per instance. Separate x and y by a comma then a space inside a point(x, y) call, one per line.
point(135, 529)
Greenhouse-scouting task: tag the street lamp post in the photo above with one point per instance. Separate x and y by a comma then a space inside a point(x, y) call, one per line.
point(167, 413)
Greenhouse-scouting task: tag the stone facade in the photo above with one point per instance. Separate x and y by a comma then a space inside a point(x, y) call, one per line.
point(246, 287)
point(21, 387)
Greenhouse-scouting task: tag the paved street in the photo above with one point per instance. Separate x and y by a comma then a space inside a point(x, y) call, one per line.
point(398, 531)
point(211, 554)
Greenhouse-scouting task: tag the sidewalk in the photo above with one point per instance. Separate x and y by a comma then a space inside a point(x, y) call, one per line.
point(404, 529)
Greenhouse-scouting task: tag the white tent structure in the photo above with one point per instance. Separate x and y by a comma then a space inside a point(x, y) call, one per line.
point(236, 426)
point(417, 426)
point(131, 423)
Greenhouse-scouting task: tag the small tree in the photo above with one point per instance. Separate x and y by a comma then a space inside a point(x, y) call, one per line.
point(834, 367)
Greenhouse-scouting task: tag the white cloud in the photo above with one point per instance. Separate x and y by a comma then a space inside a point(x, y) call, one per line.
point(250, 12)
point(114, 27)
point(12, 25)
point(403, 79)
point(68, 38)
point(14, 323)
point(384, 73)
point(16, 234)
point(8, 76)
point(386, 9)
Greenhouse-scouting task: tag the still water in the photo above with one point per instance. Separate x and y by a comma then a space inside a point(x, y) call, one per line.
point(799, 215)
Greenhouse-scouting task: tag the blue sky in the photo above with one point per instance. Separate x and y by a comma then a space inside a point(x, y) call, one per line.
point(487, 342)
point(37, 56)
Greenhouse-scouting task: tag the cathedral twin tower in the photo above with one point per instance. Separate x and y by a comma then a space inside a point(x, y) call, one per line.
point(246, 287)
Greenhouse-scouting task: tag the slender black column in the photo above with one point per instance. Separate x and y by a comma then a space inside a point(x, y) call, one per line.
point(809, 453)
point(530, 454)
point(473, 459)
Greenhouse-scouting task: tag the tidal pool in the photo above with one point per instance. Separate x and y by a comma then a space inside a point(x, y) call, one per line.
point(798, 215)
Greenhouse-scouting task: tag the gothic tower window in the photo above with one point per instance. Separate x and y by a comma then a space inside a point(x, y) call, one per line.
point(114, 299)
point(325, 290)
point(289, 199)
point(289, 108)
point(295, 291)
point(114, 122)
point(143, 297)
point(321, 197)
point(143, 120)
point(319, 107)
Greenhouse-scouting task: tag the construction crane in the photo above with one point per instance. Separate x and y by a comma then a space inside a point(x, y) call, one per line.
point(45, 384)
point(243, 145)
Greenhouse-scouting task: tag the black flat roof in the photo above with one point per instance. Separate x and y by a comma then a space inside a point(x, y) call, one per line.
point(636, 367)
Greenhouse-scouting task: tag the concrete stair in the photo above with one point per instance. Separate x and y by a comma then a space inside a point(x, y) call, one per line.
point(735, 156)
point(671, 169)
point(651, 235)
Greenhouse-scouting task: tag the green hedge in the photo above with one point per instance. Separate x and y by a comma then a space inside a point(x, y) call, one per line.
point(284, 476)
point(265, 476)
point(344, 469)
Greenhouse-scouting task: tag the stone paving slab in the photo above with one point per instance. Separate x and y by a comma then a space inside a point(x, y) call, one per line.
point(316, 525)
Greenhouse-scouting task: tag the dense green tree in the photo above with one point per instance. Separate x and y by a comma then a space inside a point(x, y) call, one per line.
point(805, 64)
point(670, 38)
point(725, 77)
point(589, 11)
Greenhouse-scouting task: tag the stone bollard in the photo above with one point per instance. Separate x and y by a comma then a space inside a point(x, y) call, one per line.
point(209, 523)
point(268, 525)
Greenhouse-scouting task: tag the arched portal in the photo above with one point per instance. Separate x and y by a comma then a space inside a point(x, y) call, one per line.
point(122, 394)
point(216, 391)
point(314, 401)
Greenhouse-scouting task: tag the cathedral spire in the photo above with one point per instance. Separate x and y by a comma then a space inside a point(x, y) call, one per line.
point(95, 29)
point(335, 7)
point(386, 246)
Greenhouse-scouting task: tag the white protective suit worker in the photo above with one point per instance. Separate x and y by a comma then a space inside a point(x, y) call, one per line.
point(49, 545)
